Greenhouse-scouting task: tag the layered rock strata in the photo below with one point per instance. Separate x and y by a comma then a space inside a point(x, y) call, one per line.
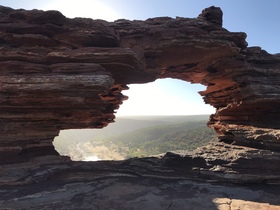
point(201, 179)
point(58, 73)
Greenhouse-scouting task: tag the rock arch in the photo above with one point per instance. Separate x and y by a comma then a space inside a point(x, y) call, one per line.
point(59, 73)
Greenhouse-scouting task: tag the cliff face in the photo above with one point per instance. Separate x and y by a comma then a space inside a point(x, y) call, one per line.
point(58, 73)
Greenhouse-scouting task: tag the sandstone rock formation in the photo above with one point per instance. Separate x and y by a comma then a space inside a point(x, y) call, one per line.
point(59, 73)
point(196, 180)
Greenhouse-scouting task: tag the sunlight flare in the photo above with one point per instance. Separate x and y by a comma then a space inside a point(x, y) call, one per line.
point(164, 97)
point(83, 8)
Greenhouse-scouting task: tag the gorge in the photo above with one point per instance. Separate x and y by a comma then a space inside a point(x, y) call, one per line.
point(59, 73)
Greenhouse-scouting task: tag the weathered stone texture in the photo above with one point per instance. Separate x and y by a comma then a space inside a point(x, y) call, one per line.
point(185, 180)
point(58, 73)
point(54, 70)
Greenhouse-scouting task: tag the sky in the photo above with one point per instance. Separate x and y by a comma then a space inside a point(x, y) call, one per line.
point(258, 18)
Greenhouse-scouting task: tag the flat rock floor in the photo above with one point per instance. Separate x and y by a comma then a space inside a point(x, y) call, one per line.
point(143, 193)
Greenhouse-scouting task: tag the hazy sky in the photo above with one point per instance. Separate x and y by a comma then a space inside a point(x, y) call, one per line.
point(258, 18)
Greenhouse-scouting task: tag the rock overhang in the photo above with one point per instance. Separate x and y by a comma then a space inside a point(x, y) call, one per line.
point(59, 73)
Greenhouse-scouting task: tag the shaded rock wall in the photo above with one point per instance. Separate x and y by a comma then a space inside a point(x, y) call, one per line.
point(59, 73)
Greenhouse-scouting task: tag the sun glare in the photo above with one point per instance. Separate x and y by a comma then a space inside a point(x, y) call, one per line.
point(164, 97)
point(83, 8)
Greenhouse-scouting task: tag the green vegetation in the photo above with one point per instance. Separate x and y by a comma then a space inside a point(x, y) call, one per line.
point(137, 137)
point(160, 139)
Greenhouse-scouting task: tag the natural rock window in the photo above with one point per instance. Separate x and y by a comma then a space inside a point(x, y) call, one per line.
point(59, 73)
point(162, 116)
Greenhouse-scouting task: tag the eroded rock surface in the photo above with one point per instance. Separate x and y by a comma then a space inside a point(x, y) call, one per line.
point(187, 180)
point(59, 73)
